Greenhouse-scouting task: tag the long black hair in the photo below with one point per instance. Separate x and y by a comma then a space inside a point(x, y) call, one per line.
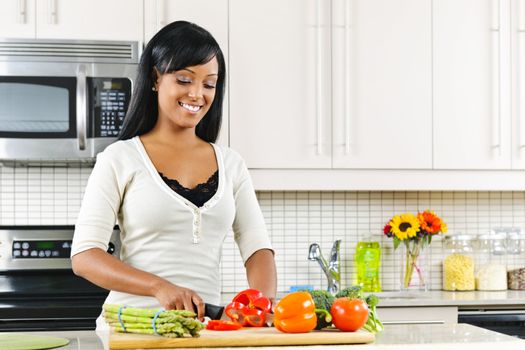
point(178, 45)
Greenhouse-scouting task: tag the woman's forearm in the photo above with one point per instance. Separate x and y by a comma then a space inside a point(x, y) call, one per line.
point(261, 272)
point(108, 272)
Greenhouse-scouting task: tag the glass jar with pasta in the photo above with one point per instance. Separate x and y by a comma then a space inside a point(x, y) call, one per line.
point(491, 271)
point(459, 262)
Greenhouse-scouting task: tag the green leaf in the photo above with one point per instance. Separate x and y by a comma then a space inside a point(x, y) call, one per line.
point(397, 241)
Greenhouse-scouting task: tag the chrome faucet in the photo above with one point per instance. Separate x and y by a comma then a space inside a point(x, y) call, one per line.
point(330, 269)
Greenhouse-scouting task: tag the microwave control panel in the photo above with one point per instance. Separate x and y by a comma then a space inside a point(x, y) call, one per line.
point(109, 104)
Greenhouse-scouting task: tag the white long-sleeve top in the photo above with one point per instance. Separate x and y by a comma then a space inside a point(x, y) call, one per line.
point(162, 232)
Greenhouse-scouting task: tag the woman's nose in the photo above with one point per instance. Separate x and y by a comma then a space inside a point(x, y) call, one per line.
point(195, 92)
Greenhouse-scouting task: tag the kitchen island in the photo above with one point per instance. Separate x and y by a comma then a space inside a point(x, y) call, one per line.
point(419, 336)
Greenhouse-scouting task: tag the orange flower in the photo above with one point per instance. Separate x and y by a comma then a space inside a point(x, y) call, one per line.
point(430, 222)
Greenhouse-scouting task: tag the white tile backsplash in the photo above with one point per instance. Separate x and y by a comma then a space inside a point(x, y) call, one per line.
point(52, 196)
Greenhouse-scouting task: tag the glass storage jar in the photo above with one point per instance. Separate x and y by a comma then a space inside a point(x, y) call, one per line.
point(491, 271)
point(515, 241)
point(459, 263)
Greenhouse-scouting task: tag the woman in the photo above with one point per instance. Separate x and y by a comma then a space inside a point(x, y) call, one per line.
point(173, 192)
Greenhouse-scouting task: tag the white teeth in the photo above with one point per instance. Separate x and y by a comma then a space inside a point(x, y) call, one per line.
point(190, 108)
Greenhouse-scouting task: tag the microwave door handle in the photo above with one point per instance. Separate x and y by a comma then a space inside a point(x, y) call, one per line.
point(81, 107)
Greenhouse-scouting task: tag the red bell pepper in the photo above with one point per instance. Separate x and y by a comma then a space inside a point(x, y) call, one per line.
point(249, 308)
point(222, 325)
point(254, 299)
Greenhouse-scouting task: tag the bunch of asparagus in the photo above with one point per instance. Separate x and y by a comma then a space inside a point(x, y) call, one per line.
point(169, 323)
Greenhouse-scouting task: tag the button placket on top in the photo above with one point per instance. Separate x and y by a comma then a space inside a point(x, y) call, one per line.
point(197, 225)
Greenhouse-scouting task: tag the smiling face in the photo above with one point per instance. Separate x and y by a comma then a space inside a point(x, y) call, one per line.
point(186, 95)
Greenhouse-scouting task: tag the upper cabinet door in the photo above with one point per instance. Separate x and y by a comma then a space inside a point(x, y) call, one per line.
point(90, 19)
point(471, 84)
point(209, 14)
point(17, 19)
point(382, 97)
point(518, 83)
point(280, 83)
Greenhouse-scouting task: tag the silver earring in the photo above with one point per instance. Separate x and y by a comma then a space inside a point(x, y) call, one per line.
point(153, 88)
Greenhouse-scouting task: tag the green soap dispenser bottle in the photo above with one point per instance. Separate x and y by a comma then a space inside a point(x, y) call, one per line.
point(368, 263)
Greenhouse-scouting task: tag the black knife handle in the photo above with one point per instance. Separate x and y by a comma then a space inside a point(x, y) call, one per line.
point(213, 311)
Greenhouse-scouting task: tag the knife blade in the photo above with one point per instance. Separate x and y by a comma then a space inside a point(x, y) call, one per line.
point(216, 312)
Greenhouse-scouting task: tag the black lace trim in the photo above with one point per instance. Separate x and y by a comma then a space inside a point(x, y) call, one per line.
point(198, 195)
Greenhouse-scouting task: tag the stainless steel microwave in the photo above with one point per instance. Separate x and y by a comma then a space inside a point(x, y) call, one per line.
point(63, 100)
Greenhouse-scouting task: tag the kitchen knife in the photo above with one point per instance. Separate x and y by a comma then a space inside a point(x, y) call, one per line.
point(216, 312)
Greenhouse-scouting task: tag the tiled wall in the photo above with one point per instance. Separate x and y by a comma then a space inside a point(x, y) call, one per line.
point(52, 196)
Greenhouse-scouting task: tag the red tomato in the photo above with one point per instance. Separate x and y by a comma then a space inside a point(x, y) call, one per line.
point(349, 315)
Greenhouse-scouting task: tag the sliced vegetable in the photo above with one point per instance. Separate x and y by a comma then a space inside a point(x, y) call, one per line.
point(254, 317)
point(249, 308)
point(235, 311)
point(254, 299)
point(222, 325)
point(295, 313)
point(348, 314)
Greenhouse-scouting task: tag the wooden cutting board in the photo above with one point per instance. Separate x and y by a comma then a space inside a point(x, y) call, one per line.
point(243, 337)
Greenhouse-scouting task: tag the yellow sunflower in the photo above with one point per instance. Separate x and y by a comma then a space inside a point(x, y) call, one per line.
point(404, 226)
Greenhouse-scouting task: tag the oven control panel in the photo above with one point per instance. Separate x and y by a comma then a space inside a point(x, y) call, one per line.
point(42, 247)
point(26, 249)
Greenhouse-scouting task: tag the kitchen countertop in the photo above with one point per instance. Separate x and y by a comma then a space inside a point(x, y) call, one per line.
point(494, 299)
point(421, 336)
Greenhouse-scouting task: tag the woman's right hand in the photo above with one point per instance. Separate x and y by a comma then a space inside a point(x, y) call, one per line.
point(172, 297)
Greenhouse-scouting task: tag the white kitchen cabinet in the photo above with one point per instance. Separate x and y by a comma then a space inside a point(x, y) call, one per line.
point(280, 113)
point(518, 83)
point(331, 84)
point(418, 315)
point(471, 56)
point(209, 14)
point(90, 19)
point(72, 19)
point(382, 98)
point(17, 19)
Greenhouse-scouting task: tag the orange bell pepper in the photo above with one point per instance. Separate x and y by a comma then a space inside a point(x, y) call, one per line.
point(295, 313)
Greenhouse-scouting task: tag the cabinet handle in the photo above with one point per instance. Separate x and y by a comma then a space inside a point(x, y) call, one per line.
point(496, 76)
point(347, 67)
point(319, 77)
point(22, 11)
point(81, 106)
point(53, 17)
point(521, 72)
point(160, 17)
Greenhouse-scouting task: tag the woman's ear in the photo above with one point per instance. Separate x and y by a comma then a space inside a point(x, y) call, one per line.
point(155, 78)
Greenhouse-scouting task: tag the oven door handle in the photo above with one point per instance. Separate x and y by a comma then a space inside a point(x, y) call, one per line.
point(81, 116)
point(466, 317)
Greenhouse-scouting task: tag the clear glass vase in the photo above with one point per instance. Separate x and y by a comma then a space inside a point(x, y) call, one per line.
point(414, 266)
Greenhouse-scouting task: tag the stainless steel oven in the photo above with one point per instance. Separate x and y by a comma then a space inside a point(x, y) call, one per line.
point(63, 100)
point(507, 321)
point(38, 290)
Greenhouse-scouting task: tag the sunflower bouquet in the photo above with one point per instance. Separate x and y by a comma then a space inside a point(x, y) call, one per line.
point(415, 232)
